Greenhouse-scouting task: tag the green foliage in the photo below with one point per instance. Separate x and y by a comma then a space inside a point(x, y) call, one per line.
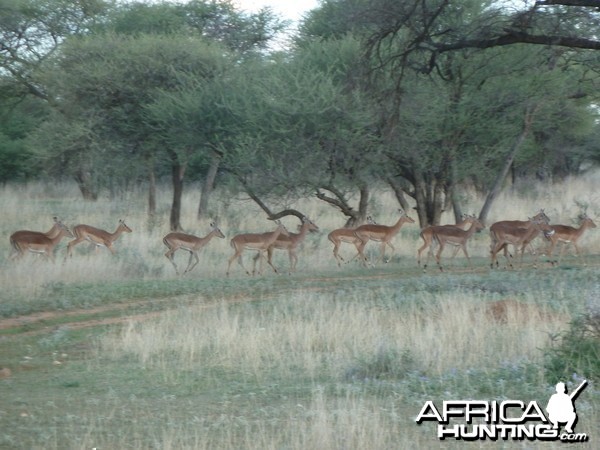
point(216, 21)
point(577, 350)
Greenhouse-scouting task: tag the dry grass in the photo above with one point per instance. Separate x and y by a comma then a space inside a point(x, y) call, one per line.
point(141, 253)
point(340, 367)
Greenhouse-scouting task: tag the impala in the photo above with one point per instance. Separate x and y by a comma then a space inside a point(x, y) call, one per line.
point(25, 234)
point(96, 236)
point(35, 242)
point(568, 235)
point(455, 236)
point(188, 242)
point(540, 217)
point(289, 243)
point(380, 233)
point(337, 237)
point(254, 241)
point(428, 232)
point(503, 235)
point(52, 232)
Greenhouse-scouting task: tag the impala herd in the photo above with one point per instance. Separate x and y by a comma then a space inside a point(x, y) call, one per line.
point(517, 233)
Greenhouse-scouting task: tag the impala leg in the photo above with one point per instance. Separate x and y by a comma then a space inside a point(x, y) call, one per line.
point(338, 258)
point(464, 249)
point(270, 258)
point(72, 244)
point(495, 249)
point(241, 263)
point(237, 255)
point(423, 247)
point(360, 247)
point(261, 256)
point(197, 260)
point(171, 257)
point(293, 260)
point(438, 256)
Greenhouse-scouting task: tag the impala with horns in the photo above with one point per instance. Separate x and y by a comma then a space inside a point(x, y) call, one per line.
point(289, 243)
point(454, 236)
point(566, 235)
point(190, 243)
point(347, 235)
point(428, 232)
point(254, 241)
point(40, 243)
point(519, 237)
point(380, 233)
point(96, 236)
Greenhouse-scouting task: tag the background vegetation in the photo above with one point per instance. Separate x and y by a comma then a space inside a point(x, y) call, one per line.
point(173, 114)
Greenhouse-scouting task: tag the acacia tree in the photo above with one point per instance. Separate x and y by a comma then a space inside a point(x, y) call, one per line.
point(105, 85)
point(305, 129)
point(437, 123)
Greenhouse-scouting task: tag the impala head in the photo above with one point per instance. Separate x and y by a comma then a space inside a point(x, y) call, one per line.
point(64, 230)
point(123, 226)
point(217, 230)
point(541, 224)
point(310, 225)
point(476, 223)
point(405, 216)
point(541, 216)
point(281, 227)
point(587, 221)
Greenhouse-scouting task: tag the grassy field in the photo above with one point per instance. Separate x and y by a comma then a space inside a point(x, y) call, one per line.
point(119, 352)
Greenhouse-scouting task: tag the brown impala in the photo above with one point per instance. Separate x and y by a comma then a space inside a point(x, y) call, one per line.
point(35, 242)
point(340, 235)
point(52, 232)
point(254, 241)
point(380, 233)
point(539, 217)
point(568, 235)
point(289, 243)
point(455, 236)
point(503, 235)
point(96, 236)
point(428, 232)
point(188, 242)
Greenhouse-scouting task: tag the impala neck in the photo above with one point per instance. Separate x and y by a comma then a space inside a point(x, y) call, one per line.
point(302, 234)
point(584, 226)
point(472, 229)
point(398, 224)
point(118, 232)
point(275, 235)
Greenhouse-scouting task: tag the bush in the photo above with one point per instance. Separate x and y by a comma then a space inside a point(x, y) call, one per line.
point(577, 351)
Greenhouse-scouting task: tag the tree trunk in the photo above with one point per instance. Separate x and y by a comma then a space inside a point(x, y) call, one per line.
point(84, 181)
point(151, 196)
point(399, 193)
point(340, 201)
point(497, 186)
point(177, 174)
point(208, 186)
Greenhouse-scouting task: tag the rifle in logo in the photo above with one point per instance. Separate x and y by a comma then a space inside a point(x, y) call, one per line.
point(561, 408)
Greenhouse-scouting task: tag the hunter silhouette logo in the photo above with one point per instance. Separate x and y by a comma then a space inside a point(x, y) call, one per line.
point(508, 419)
point(561, 408)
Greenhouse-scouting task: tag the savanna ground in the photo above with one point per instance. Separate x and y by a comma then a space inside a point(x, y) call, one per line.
point(119, 352)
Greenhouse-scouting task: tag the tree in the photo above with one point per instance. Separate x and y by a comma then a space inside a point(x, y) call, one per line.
point(32, 30)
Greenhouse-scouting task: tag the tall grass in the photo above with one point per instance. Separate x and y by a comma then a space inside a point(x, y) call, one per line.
point(32, 206)
point(330, 358)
